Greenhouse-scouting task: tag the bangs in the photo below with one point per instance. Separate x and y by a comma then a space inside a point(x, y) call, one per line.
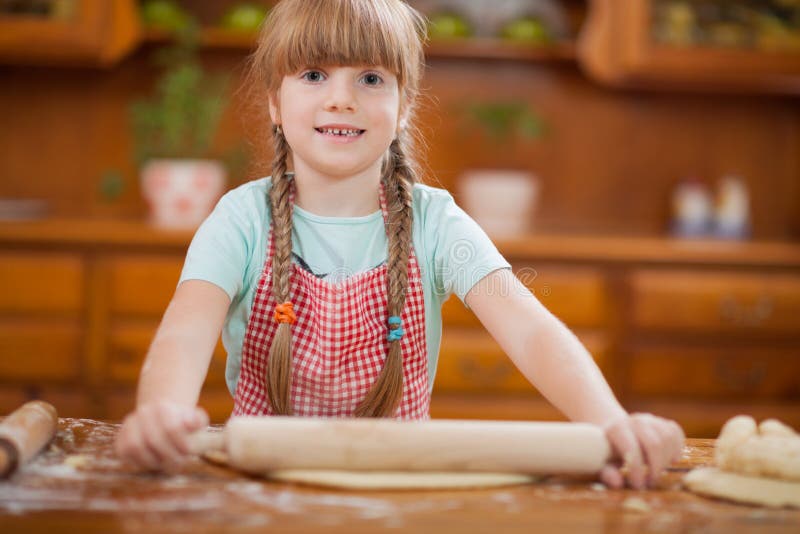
point(316, 33)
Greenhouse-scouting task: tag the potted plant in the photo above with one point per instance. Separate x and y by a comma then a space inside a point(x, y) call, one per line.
point(173, 132)
point(501, 199)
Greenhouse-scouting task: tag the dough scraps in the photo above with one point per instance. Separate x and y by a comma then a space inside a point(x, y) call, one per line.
point(742, 488)
point(386, 480)
point(770, 449)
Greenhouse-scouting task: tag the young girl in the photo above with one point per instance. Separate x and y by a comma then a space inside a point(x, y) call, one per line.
point(327, 279)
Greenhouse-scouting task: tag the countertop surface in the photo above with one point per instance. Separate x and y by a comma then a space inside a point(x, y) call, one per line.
point(78, 485)
point(59, 233)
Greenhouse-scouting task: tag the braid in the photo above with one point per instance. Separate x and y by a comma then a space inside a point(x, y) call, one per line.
point(279, 367)
point(398, 179)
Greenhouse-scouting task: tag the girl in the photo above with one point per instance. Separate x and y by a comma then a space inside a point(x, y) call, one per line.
point(327, 279)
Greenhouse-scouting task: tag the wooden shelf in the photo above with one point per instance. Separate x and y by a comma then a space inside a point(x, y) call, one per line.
point(215, 38)
point(498, 49)
point(602, 248)
point(473, 48)
point(617, 48)
point(98, 34)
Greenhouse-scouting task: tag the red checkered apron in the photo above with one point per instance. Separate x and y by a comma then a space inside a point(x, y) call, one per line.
point(339, 342)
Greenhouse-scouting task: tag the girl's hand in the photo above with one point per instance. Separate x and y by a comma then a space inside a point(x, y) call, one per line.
point(647, 445)
point(154, 436)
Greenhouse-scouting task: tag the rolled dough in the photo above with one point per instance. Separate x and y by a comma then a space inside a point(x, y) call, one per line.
point(384, 480)
point(742, 488)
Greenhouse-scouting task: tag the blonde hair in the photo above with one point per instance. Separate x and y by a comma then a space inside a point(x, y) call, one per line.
point(302, 33)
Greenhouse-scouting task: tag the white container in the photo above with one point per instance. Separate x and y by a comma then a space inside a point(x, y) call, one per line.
point(732, 215)
point(180, 193)
point(692, 209)
point(501, 201)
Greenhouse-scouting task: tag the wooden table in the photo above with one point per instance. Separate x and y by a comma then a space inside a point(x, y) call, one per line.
point(78, 485)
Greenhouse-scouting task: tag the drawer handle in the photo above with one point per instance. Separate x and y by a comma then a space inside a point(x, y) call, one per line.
point(741, 381)
point(738, 314)
point(486, 375)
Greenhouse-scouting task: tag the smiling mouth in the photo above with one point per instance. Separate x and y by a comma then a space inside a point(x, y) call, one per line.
point(341, 132)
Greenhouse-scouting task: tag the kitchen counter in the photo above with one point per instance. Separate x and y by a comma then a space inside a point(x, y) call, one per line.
point(63, 232)
point(78, 485)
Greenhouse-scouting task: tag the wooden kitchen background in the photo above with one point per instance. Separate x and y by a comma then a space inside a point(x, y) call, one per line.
point(695, 329)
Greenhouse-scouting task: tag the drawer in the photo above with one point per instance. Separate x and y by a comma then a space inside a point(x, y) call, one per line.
point(716, 301)
point(128, 345)
point(41, 282)
point(576, 295)
point(40, 350)
point(741, 372)
point(471, 361)
point(143, 285)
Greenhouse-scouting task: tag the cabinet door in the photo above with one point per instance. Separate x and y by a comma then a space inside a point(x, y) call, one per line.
point(472, 362)
point(42, 300)
point(41, 283)
point(576, 295)
point(743, 373)
point(620, 46)
point(735, 303)
point(40, 350)
point(81, 32)
point(142, 285)
point(127, 346)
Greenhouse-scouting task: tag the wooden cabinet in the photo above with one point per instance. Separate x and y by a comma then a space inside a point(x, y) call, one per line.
point(139, 289)
point(71, 32)
point(696, 331)
point(619, 47)
point(474, 376)
point(713, 301)
point(729, 338)
point(714, 372)
point(79, 305)
point(42, 338)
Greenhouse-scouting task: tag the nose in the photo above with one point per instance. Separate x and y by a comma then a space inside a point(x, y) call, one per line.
point(341, 96)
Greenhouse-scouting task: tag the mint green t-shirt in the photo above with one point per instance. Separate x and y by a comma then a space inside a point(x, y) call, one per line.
point(229, 250)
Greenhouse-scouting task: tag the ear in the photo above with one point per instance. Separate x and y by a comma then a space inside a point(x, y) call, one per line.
point(274, 109)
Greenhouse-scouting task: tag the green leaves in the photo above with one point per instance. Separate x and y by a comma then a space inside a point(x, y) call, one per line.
point(183, 115)
point(504, 119)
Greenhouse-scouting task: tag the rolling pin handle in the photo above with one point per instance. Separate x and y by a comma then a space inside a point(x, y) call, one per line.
point(24, 433)
point(204, 441)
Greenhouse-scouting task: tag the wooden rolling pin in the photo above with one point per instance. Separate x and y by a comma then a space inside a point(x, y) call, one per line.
point(24, 433)
point(262, 444)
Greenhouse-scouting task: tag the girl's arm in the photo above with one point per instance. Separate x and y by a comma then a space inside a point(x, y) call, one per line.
point(553, 359)
point(154, 435)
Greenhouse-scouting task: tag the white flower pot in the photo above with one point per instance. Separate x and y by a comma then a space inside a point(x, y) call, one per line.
point(501, 201)
point(180, 193)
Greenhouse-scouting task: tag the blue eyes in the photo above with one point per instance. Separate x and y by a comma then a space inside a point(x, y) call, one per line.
point(371, 78)
point(312, 76)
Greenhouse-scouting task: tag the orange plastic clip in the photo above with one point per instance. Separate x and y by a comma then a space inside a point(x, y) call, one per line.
point(284, 313)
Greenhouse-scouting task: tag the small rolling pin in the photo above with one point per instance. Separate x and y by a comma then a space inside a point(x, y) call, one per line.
point(24, 433)
point(262, 444)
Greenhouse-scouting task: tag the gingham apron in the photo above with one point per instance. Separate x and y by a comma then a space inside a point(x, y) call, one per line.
point(339, 342)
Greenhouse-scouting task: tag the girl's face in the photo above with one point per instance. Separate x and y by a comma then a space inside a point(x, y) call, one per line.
point(338, 120)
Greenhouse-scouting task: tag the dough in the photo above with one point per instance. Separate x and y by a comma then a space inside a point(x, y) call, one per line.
point(380, 480)
point(770, 450)
point(742, 488)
